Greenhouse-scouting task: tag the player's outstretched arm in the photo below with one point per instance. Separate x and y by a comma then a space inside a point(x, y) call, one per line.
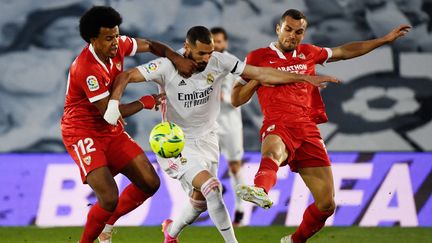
point(359, 48)
point(113, 109)
point(185, 66)
point(132, 75)
point(270, 76)
point(242, 93)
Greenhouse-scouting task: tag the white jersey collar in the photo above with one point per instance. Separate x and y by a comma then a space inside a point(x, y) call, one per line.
point(280, 54)
point(91, 48)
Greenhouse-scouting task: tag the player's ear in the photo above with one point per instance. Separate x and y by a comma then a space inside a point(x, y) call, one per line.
point(186, 47)
point(277, 29)
point(92, 41)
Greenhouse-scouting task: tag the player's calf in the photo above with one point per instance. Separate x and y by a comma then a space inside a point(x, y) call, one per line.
point(212, 191)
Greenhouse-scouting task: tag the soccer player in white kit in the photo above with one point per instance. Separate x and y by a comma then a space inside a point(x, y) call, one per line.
point(230, 126)
point(194, 105)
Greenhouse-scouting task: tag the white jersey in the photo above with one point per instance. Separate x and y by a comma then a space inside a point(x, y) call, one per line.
point(193, 103)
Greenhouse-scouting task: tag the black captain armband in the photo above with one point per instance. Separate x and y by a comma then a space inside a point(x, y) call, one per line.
point(235, 67)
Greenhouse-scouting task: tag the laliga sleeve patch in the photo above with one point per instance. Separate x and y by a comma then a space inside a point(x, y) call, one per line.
point(151, 67)
point(92, 83)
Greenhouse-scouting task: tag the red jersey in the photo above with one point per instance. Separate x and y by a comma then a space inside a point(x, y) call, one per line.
point(90, 80)
point(294, 102)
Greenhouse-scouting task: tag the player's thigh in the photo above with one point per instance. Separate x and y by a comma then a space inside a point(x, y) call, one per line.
point(122, 150)
point(274, 147)
point(319, 180)
point(199, 157)
point(104, 186)
point(142, 173)
point(185, 167)
point(87, 152)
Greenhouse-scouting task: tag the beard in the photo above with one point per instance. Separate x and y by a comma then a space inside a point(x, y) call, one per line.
point(201, 65)
point(286, 48)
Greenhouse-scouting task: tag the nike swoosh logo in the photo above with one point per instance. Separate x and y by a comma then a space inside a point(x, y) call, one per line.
point(272, 62)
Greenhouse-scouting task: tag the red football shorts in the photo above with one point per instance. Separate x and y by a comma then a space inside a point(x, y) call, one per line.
point(90, 153)
point(303, 142)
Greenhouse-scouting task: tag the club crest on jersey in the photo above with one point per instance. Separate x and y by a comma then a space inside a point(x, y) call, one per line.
point(87, 160)
point(302, 56)
point(210, 78)
point(151, 67)
point(118, 66)
point(183, 160)
point(92, 83)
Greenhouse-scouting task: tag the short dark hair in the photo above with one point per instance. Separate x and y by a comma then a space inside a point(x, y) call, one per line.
point(199, 33)
point(293, 13)
point(97, 17)
point(219, 30)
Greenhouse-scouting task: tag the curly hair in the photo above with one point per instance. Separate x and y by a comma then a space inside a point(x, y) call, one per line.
point(97, 17)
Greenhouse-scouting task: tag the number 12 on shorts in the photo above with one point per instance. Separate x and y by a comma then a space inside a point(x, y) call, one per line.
point(85, 146)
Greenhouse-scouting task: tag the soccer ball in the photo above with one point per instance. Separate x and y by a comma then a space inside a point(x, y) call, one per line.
point(166, 140)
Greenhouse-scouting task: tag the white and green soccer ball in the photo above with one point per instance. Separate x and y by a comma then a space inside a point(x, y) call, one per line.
point(166, 139)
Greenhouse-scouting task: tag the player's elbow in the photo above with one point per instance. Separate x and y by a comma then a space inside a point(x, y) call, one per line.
point(235, 99)
point(123, 78)
point(235, 103)
point(238, 101)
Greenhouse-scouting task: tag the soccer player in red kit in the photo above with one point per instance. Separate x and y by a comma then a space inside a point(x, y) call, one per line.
point(99, 149)
point(289, 134)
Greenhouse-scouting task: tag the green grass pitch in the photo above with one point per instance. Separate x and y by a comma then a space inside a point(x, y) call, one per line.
point(210, 234)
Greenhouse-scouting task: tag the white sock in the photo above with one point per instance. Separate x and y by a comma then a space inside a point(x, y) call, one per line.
point(108, 228)
point(212, 191)
point(236, 180)
point(189, 214)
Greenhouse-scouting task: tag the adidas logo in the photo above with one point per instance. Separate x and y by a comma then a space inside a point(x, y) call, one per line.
point(182, 83)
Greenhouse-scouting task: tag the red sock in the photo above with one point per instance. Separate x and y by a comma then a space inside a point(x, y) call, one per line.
point(266, 175)
point(313, 221)
point(96, 219)
point(130, 198)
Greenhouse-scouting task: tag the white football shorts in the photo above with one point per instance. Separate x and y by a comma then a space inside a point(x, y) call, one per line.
point(198, 154)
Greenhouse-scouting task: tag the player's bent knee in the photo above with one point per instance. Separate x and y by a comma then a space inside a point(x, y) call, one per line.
point(276, 156)
point(211, 187)
point(327, 205)
point(149, 186)
point(108, 202)
point(154, 186)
